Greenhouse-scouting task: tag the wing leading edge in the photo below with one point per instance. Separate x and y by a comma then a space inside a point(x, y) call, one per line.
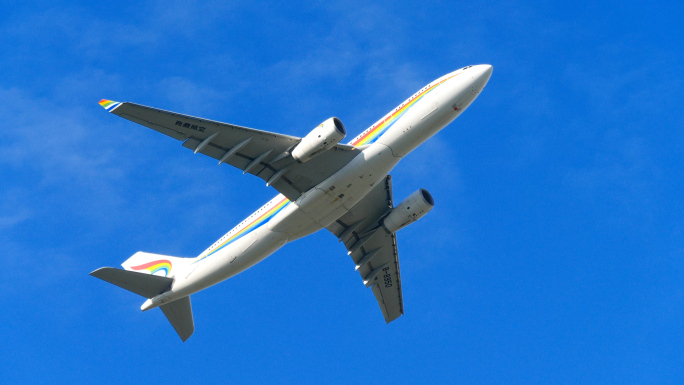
point(261, 153)
point(372, 249)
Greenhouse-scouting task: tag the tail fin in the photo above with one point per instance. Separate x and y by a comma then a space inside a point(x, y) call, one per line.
point(179, 313)
point(155, 264)
point(149, 275)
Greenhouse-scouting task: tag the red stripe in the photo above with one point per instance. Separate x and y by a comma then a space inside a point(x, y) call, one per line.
point(146, 265)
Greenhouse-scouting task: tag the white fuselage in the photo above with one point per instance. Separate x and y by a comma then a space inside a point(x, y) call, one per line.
point(280, 221)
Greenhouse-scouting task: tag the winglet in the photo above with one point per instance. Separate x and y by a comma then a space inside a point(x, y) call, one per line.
point(109, 105)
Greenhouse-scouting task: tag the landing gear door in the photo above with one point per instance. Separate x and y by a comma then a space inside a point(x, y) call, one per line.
point(464, 101)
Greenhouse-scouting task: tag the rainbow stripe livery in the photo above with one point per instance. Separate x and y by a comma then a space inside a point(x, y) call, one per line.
point(155, 266)
point(271, 209)
point(109, 105)
point(373, 133)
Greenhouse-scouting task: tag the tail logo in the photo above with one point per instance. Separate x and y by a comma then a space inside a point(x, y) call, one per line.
point(161, 265)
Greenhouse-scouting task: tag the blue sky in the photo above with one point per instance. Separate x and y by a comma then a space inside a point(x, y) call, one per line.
point(554, 253)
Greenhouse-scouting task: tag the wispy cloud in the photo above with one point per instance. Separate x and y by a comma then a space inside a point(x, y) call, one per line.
point(621, 100)
point(624, 172)
point(7, 221)
point(54, 140)
point(188, 96)
point(88, 35)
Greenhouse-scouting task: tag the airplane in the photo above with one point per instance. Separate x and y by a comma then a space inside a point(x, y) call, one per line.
point(322, 184)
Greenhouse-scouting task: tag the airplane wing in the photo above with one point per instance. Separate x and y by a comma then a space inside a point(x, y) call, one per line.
point(261, 153)
point(373, 250)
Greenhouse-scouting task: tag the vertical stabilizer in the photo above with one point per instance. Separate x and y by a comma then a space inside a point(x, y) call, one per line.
point(179, 313)
point(155, 264)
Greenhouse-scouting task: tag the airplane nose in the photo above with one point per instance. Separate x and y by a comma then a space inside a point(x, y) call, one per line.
point(482, 73)
point(476, 78)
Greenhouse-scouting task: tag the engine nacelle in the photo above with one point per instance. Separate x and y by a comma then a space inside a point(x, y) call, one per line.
point(410, 210)
point(322, 138)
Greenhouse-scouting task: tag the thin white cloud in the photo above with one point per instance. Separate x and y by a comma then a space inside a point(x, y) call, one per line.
point(624, 171)
point(54, 140)
point(87, 35)
point(187, 96)
point(7, 221)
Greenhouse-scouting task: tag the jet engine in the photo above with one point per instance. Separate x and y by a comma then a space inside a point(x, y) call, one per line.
point(322, 138)
point(410, 210)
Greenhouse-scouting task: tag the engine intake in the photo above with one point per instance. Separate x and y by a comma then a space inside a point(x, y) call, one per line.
point(410, 210)
point(322, 138)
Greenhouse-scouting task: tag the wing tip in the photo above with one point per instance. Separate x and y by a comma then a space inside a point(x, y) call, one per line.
point(96, 272)
point(109, 105)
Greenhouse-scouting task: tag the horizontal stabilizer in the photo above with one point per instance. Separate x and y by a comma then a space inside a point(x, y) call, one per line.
point(179, 313)
point(142, 284)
